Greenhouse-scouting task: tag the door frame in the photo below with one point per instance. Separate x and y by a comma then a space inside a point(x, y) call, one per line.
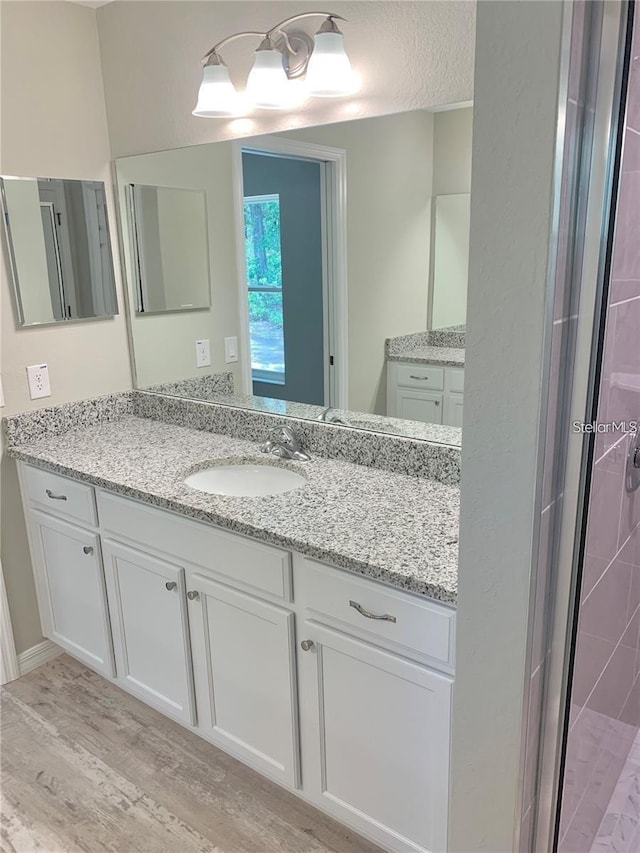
point(334, 247)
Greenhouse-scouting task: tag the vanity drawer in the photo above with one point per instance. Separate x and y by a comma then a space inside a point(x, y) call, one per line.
point(232, 558)
point(60, 495)
point(421, 376)
point(455, 380)
point(421, 629)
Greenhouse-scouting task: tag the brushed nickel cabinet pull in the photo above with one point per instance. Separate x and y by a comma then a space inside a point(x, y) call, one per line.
point(193, 595)
point(386, 617)
point(87, 549)
point(171, 585)
point(421, 378)
point(306, 645)
point(55, 497)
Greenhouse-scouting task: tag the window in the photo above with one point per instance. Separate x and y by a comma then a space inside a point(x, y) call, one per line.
point(264, 283)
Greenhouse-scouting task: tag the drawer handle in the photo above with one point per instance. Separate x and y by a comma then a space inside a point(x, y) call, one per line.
point(421, 378)
point(386, 617)
point(171, 585)
point(437, 402)
point(55, 497)
point(193, 595)
point(306, 645)
point(87, 549)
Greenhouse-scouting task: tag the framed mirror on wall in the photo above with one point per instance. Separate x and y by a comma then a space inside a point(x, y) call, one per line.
point(170, 244)
point(334, 254)
point(59, 249)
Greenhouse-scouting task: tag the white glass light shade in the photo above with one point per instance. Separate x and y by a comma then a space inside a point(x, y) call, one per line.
point(329, 74)
point(268, 86)
point(217, 96)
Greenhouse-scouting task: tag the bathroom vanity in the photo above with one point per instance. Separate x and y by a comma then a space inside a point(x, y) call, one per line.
point(319, 650)
point(425, 376)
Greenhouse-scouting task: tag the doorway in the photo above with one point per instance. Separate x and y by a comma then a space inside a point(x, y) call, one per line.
point(285, 270)
point(291, 225)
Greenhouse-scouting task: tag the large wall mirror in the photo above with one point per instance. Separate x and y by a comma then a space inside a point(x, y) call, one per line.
point(57, 235)
point(333, 256)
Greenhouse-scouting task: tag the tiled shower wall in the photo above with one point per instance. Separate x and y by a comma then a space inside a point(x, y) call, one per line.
point(605, 698)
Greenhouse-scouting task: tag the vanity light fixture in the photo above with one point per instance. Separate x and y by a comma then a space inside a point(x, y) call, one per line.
point(281, 60)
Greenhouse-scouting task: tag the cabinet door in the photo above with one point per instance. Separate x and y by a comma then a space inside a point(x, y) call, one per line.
point(453, 404)
point(425, 406)
point(67, 559)
point(379, 752)
point(150, 630)
point(244, 662)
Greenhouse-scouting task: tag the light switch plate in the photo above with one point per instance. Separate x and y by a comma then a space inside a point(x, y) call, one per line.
point(38, 378)
point(230, 350)
point(203, 353)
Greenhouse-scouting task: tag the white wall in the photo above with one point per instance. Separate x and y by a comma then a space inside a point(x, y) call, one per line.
point(452, 146)
point(518, 50)
point(53, 125)
point(164, 344)
point(411, 55)
point(389, 186)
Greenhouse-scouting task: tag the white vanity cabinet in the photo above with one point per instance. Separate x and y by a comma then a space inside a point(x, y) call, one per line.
point(340, 693)
point(244, 660)
point(377, 735)
point(148, 611)
point(68, 567)
point(425, 392)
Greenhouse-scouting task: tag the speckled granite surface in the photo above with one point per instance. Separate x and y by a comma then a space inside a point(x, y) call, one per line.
point(376, 450)
point(405, 455)
point(398, 529)
point(453, 336)
point(201, 387)
point(357, 420)
point(445, 356)
point(439, 346)
point(55, 420)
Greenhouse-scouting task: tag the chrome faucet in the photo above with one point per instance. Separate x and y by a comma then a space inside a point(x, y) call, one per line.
point(325, 417)
point(283, 442)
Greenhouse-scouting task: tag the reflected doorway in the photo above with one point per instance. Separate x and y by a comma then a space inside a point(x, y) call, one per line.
point(291, 225)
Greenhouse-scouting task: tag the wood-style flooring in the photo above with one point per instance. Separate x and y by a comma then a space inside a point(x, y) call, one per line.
point(86, 767)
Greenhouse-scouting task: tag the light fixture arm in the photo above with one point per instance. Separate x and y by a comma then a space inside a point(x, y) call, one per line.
point(212, 56)
point(213, 52)
point(278, 27)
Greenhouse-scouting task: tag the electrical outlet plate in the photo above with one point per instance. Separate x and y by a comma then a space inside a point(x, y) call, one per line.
point(38, 378)
point(203, 353)
point(230, 349)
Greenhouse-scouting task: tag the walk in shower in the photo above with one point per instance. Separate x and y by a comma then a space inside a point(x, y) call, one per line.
point(599, 792)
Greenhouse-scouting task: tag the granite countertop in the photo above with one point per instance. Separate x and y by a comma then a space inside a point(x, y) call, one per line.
point(398, 529)
point(446, 356)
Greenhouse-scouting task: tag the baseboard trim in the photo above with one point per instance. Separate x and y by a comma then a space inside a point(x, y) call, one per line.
point(37, 655)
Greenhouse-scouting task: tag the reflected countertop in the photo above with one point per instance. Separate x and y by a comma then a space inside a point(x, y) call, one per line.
point(444, 356)
point(445, 347)
point(396, 528)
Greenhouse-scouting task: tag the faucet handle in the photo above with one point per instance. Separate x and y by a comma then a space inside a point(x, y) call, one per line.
point(284, 436)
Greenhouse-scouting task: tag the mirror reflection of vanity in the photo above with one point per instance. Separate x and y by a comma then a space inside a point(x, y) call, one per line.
point(337, 259)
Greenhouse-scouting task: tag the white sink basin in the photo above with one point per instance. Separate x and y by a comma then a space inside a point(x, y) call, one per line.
point(245, 480)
